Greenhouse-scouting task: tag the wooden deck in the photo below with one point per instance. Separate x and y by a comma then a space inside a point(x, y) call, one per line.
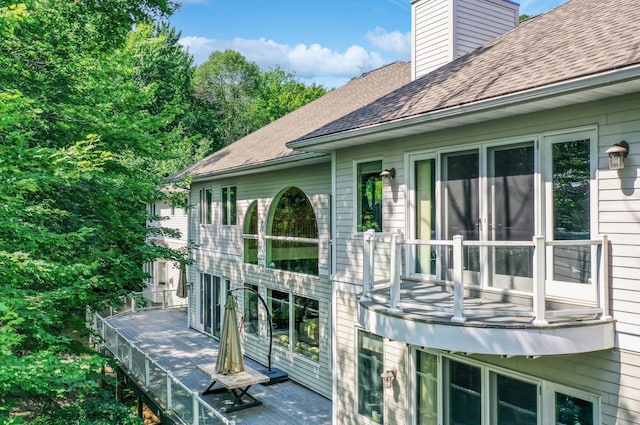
point(163, 335)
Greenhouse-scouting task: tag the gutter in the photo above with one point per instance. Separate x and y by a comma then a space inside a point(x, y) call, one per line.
point(584, 84)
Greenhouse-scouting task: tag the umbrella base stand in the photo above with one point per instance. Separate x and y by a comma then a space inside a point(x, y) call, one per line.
point(275, 376)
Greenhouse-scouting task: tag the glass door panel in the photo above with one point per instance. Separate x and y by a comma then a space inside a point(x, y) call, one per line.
point(461, 206)
point(515, 402)
point(511, 215)
point(570, 267)
point(425, 214)
point(464, 394)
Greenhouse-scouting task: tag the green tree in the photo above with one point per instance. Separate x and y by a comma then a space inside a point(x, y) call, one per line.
point(76, 117)
point(279, 93)
point(233, 98)
point(226, 83)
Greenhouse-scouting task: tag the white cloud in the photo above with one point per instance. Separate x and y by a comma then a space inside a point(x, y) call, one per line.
point(394, 41)
point(309, 63)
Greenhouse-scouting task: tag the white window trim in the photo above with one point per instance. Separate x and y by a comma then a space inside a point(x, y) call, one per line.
point(354, 189)
point(546, 389)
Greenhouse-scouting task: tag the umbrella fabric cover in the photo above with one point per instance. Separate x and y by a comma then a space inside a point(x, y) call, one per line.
point(182, 282)
point(230, 352)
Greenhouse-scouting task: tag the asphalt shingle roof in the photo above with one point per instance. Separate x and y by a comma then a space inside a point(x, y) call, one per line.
point(577, 39)
point(269, 143)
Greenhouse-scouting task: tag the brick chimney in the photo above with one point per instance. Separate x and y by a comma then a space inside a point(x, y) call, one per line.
point(444, 30)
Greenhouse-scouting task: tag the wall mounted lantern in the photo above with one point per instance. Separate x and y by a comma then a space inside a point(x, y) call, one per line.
point(617, 153)
point(387, 176)
point(388, 376)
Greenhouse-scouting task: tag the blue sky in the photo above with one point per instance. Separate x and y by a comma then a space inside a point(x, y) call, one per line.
point(326, 42)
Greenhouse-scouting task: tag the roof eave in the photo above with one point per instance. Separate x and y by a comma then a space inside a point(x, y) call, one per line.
point(301, 159)
point(605, 84)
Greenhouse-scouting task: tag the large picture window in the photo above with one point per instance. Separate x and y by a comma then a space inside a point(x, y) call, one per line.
point(369, 196)
point(370, 367)
point(292, 239)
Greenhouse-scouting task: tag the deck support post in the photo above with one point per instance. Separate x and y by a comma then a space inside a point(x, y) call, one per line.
point(539, 278)
point(458, 290)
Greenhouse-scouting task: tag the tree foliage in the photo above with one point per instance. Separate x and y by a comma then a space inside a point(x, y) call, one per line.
point(97, 105)
point(235, 98)
point(77, 112)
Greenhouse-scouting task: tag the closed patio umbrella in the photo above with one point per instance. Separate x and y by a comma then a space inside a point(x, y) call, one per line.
point(230, 352)
point(182, 282)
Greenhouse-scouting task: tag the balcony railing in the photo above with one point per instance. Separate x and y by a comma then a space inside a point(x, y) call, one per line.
point(390, 260)
point(178, 401)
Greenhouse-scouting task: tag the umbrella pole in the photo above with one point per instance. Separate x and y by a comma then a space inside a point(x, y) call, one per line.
point(275, 375)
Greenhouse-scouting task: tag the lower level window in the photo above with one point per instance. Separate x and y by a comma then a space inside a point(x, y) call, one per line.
point(470, 388)
point(296, 323)
point(370, 387)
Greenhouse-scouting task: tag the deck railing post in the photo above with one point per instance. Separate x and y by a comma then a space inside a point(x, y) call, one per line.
point(539, 278)
point(458, 290)
point(133, 304)
point(394, 272)
point(196, 408)
point(367, 272)
point(603, 278)
point(164, 299)
point(169, 395)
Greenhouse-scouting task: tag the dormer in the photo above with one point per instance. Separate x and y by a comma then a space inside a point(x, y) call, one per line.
point(444, 30)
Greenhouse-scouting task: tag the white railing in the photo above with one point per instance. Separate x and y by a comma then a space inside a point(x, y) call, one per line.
point(177, 400)
point(148, 300)
point(384, 270)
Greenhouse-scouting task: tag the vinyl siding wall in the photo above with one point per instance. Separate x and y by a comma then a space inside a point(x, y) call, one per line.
point(444, 30)
point(220, 253)
point(612, 374)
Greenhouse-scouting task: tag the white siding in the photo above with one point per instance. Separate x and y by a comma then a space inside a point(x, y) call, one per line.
point(220, 253)
point(614, 375)
point(444, 30)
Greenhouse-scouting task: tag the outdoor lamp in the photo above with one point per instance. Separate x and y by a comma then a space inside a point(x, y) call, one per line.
point(617, 153)
point(388, 376)
point(387, 176)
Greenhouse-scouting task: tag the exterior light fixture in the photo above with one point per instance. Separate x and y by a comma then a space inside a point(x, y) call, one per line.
point(617, 153)
point(388, 376)
point(387, 176)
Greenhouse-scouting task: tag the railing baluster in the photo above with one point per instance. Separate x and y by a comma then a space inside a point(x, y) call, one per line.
point(367, 273)
point(458, 291)
point(539, 277)
point(603, 278)
point(394, 271)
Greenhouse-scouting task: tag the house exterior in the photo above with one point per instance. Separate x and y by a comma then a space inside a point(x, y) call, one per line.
point(444, 242)
point(170, 231)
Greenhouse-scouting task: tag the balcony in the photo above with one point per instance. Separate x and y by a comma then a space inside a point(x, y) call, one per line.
point(510, 298)
point(158, 356)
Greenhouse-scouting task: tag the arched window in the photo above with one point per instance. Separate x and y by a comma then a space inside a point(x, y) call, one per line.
point(251, 234)
point(292, 235)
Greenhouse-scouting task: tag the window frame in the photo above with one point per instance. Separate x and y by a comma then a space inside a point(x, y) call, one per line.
point(248, 237)
point(357, 196)
point(545, 390)
point(312, 243)
point(205, 210)
point(358, 378)
point(229, 205)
